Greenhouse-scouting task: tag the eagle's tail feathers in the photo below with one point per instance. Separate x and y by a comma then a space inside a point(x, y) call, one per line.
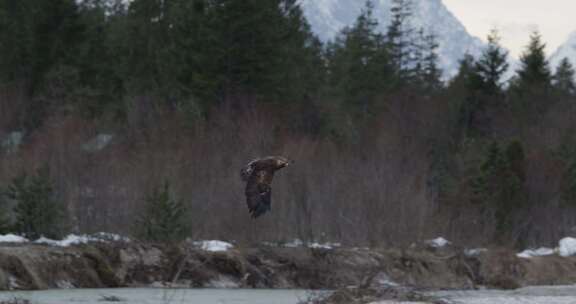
point(259, 210)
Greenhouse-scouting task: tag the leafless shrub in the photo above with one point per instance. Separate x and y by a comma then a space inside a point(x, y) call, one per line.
point(373, 191)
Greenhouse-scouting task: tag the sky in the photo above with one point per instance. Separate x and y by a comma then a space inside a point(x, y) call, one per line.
point(516, 19)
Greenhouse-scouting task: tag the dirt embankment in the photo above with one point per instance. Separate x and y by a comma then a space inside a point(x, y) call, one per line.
point(497, 269)
point(32, 266)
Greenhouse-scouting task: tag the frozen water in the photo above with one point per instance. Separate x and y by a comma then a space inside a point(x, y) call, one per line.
point(527, 295)
point(161, 296)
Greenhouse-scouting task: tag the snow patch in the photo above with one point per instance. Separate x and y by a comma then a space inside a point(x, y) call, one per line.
point(13, 283)
point(324, 245)
point(438, 242)
point(12, 142)
point(474, 251)
point(567, 247)
point(111, 237)
point(224, 282)
point(383, 280)
point(67, 241)
point(542, 251)
point(157, 284)
point(295, 243)
point(214, 245)
point(319, 246)
point(98, 143)
point(299, 243)
point(73, 239)
point(12, 238)
point(396, 302)
point(65, 285)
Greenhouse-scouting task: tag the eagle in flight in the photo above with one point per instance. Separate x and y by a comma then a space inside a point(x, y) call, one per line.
point(258, 176)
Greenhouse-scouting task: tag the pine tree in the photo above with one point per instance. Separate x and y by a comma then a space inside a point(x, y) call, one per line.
point(423, 71)
point(97, 85)
point(37, 37)
point(516, 159)
point(492, 65)
point(144, 36)
point(4, 217)
point(564, 78)
point(467, 75)
point(499, 188)
point(486, 182)
point(467, 87)
point(569, 185)
point(416, 71)
point(189, 59)
point(302, 70)
point(432, 73)
point(264, 49)
point(534, 72)
point(57, 30)
point(531, 87)
point(37, 212)
point(17, 40)
point(164, 219)
point(398, 37)
point(359, 64)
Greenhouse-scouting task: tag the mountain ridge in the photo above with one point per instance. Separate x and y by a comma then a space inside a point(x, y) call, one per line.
point(565, 50)
point(328, 17)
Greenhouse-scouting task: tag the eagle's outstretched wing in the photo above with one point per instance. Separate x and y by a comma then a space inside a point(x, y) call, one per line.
point(258, 175)
point(259, 193)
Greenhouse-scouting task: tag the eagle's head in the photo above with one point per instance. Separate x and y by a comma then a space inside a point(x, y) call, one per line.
point(282, 162)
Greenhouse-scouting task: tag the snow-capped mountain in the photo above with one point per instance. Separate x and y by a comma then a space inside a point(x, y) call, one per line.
point(328, 17)
point(566, 50)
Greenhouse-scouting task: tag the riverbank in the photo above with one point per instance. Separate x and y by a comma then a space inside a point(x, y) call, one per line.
point(29, 266)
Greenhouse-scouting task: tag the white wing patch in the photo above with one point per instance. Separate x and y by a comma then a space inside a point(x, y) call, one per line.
point(247, 171)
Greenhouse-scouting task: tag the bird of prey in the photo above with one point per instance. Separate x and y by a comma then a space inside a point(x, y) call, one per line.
point(258, 176)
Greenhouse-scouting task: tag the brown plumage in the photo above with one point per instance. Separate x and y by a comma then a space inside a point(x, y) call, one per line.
point(258, 175)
